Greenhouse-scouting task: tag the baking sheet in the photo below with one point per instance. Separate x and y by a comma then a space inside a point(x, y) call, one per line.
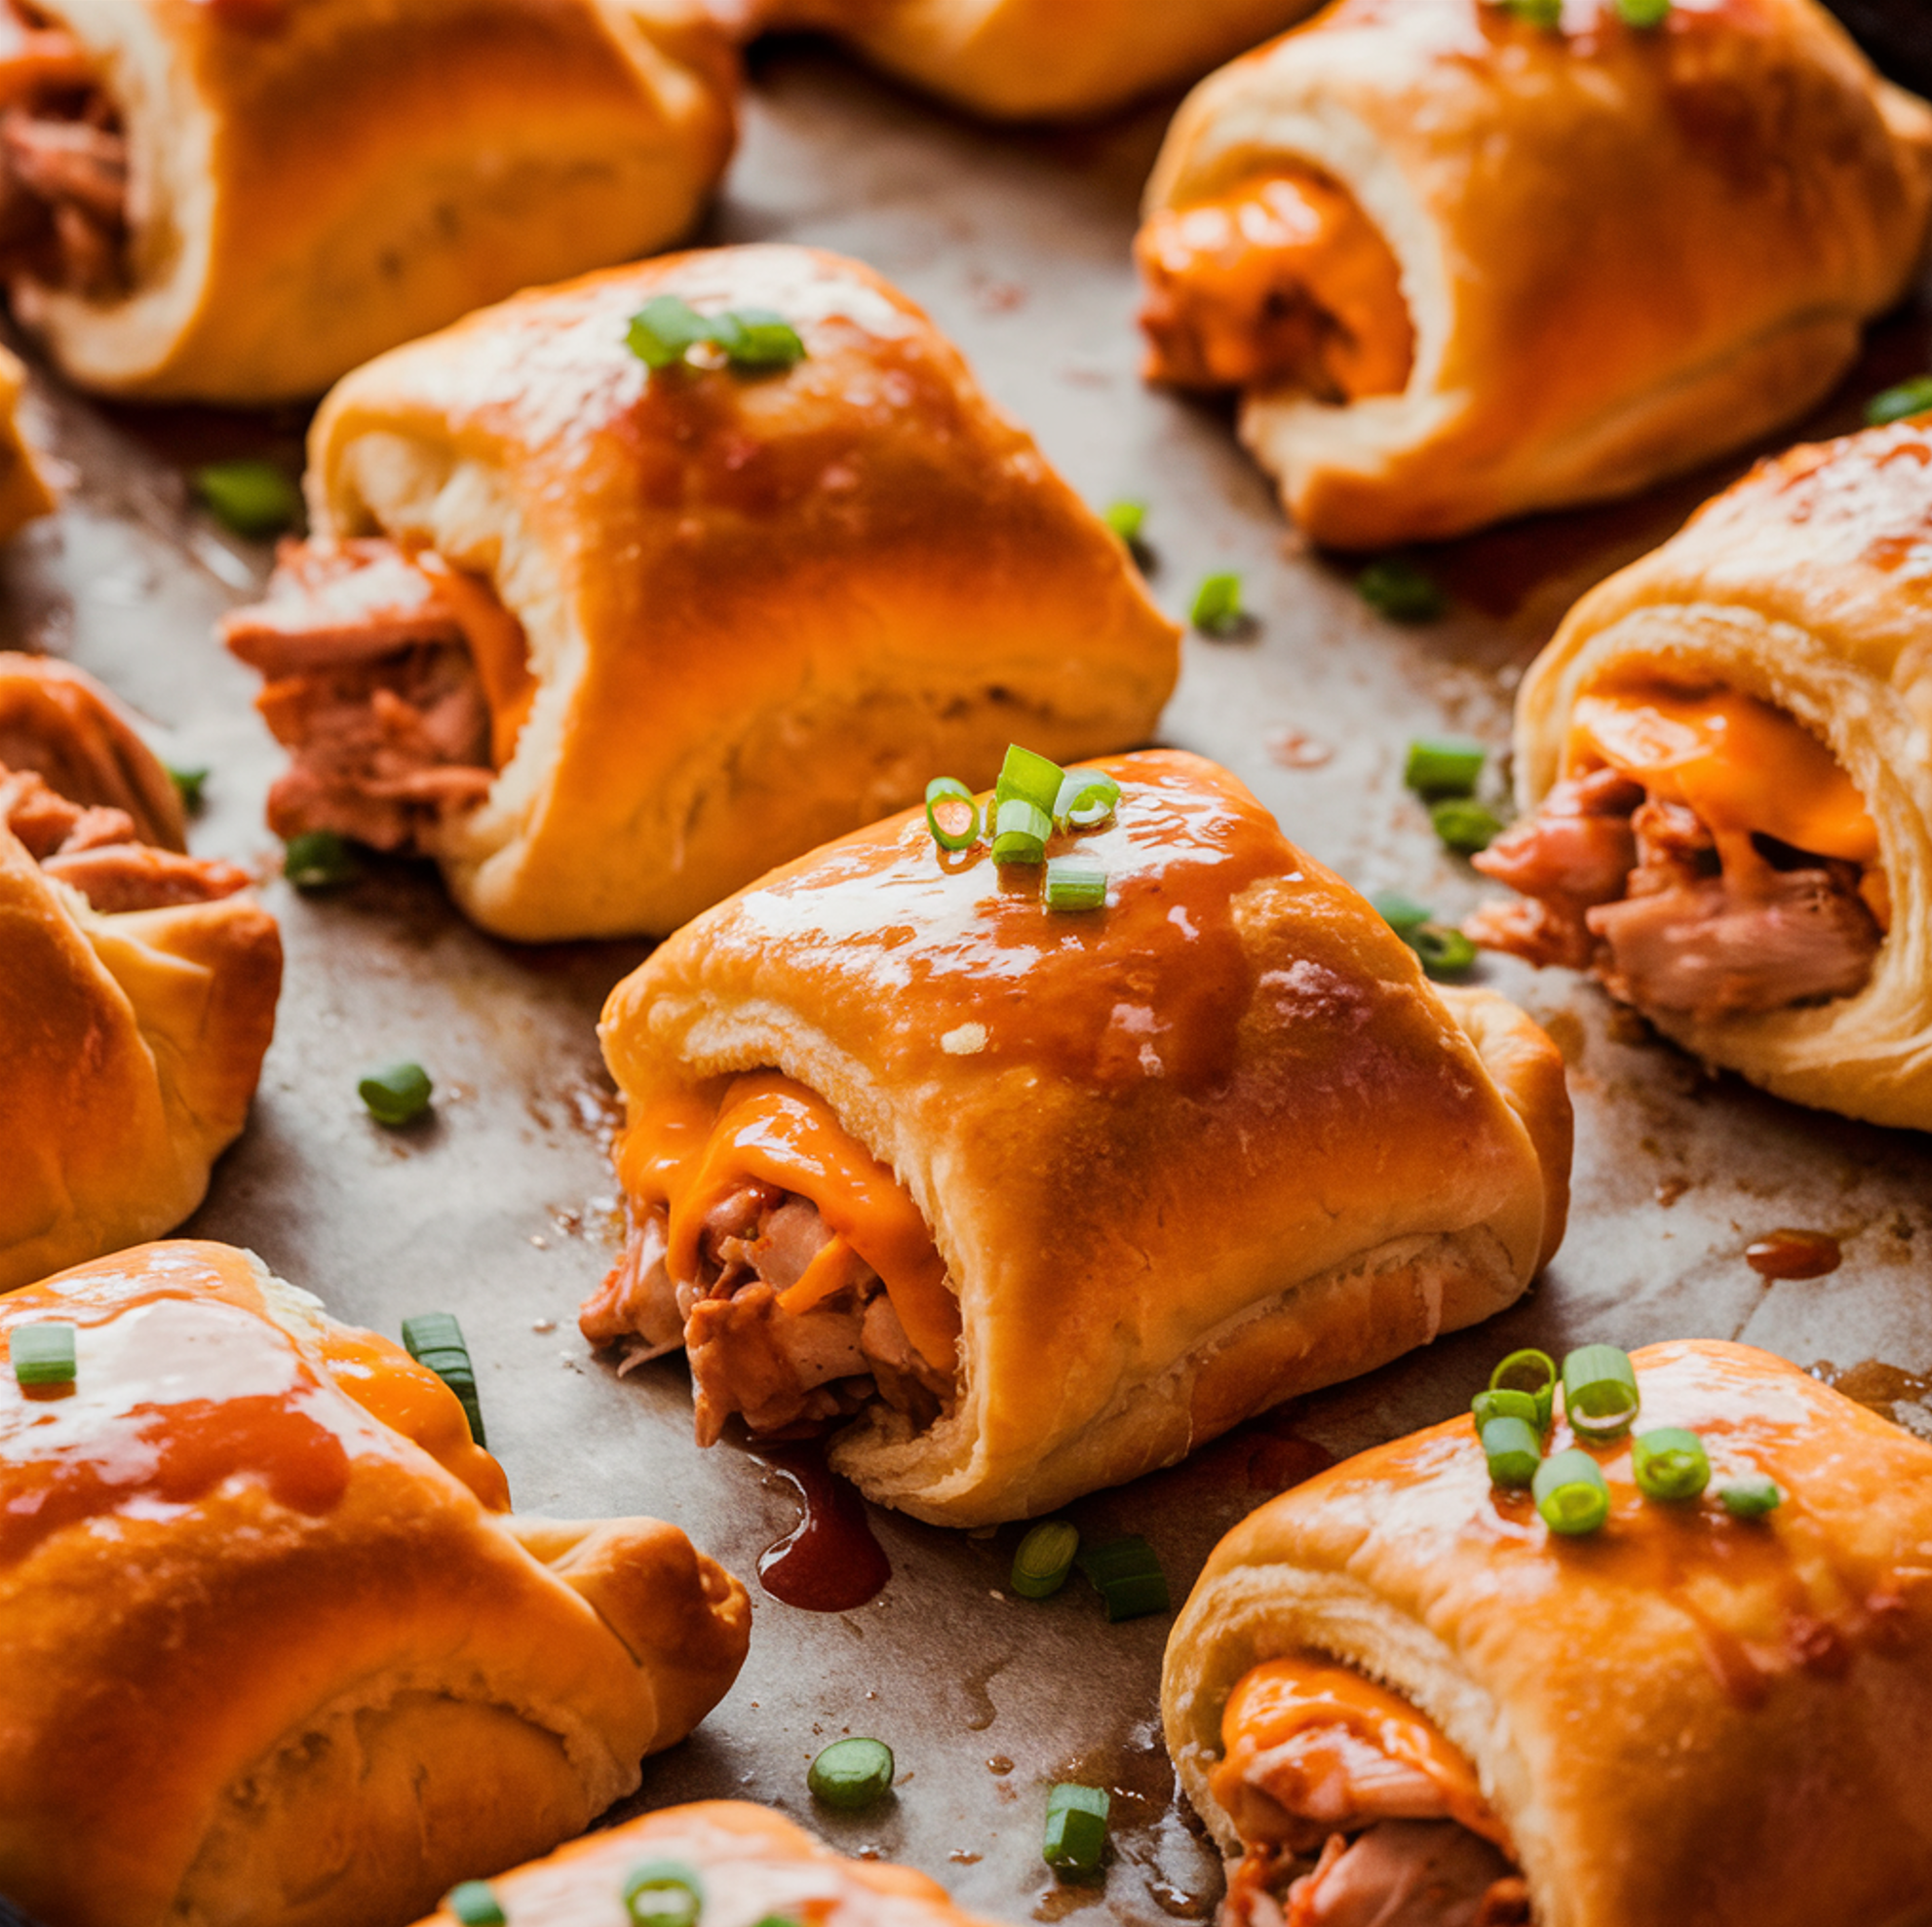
point(502, 1208)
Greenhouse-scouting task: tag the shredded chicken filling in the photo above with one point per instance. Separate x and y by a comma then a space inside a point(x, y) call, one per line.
point(397, 683)
point(63, 161)
point(790, 1264)
point(1282, 283)
point(1714, 862)
point(1320, 1764)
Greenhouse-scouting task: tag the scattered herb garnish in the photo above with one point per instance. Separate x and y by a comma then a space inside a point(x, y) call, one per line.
point(1750, 1498)
point(252, 498)
point(1533, 1373)
point(43, 1353)
point(1126, 519)
point(1644, 13)
point(1909, 398)
point(662, 1893)
point(1074, 883)
point(434, 1339)
point(475, 1905)
point(318, 860)
point(1445, 952)
point(188, 783)
point(953, 814)
point(1539, 13)
point(1216, 609)
point(1401, 590)
point(1669, 1463)
point(664, 331)
point(1571, 1493)
point(398, 1093)
point(1444, 765)
point(850, 1774)
point(1076, 1829)
point(1126, 1574)
point(1044, 1560)
point(1514, 1449)
point(1463, 825)
point(1600, 1395)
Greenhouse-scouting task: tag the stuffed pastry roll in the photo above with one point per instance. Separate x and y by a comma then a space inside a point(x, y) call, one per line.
point(1722, 757)
point(1708, 1709)
point(608, 638)
point(748, 1863)
point(276, 1650)
point(137, 983)
point(239, 200)
point(1034, 59)
point(24, 493)
point(1461, 266)
point(1019, 1202)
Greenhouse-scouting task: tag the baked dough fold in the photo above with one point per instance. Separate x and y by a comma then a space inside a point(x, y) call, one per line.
point(1684, 1717)
point(1214, 1145)
point(277, 1652)
point(1623, 250)
point(24, 491)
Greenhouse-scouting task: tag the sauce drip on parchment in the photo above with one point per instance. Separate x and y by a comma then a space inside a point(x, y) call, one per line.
point(830, 1562)
point(1788, 1253)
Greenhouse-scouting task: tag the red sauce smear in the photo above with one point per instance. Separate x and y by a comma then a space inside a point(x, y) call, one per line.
point(829, 1562)
point(1786, 1253)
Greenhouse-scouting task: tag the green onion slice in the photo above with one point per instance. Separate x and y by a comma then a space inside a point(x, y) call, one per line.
point(662, 1893)
point(1126, 519)
point(1512, 1447)
point(1216, 609)
point(1539, 13)
point(1571, 1493)
point(1073, 883)
point(1044, 1560)
point(1019, 831)
point(1401, 590)
point(1029, 777)
point(1909, 398)
point(949, 793)
point(1403, 914)
point(1464, 825)
point(43, 1353)
point(1444, 765)
point(1126, 1574)
point(396, 1094)
point(1532, 1372)
point(1444, 950)
point(852, 1773)
point(434, 1339)
point(1509, 1405)
point(188, 783)
point(1076, 1831)
point(1751, 1496)
point(664, 331)
point(318, 860)
point(1669, 1463)
point(1086, 799)
point(252, 498)
point(475, 1905)
point(1600, 1392)
point(758, 338)
point(1644, 13)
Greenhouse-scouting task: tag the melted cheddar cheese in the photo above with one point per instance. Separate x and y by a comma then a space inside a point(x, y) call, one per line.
point(1283, 281)
point(689, 1153)
point(497, 645)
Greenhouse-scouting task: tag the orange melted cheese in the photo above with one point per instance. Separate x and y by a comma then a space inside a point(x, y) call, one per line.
point(688, 1153)
point(1283, 1700)
point(498, 647)
point(1740, 765)
point(1282, 282)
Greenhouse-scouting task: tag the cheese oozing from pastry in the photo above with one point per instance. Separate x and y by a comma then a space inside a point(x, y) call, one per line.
point(398, 683)
point(1318, 1760)
point(792, 1266)
point(1704, 854)
point(1282, 283)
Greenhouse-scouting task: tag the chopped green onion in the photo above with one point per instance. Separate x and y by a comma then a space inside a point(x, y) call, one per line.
point(1444, 950)
point(1532, 1372)
point(1019, 832)
point(756, 338)
point(1216, 609)
point(1509, 1405)
point(1464, 825)
point(1644, 13)
point(1075, 884)
point(1403, 914)
point(1752, 1497)
point(1444, 765)
point(434, 1338)
point(1044, 1560)
point(1127, 1576)
point(1401, 590)
point(188, 783)
point(1909, 398)
point(852, 1773)
point(664, 331)
point(1030, 778)
point(1571, 1492)
point(1076, 1831)
point(1086, 799)
point(43, 1354)
point(1539, 13)
point(250, 498)
point(1514, 1449)
point(1599, 1392)
point(399, 1094)
point(778, 1920)
point(318, 860)
point(1126, 519)
point(662, 1893)
point(948, 793)
point(1669, 1463)
point(475, 1905)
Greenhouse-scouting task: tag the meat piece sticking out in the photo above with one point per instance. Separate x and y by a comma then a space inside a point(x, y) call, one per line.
point(1410, 1873)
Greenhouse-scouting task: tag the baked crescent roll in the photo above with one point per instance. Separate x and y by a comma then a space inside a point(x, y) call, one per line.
point(1723, 754)
point(1035, 59)
point(24, 491)
point(1684, 1716)
point(277, 1652)
point(137, 983)
point(238, 201)
point(1461, 266)
point(748, 1862)
point(607, 640)
point(1038, 1202)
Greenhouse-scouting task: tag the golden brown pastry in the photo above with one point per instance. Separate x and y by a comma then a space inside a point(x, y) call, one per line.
point(24, 491)
point(1723, 760)
point(278, 1654)
point(1034, 59)
point(1684, 1717)
point(1461, 266)
point(609, 640)
point(239, 200)
point(750, 1863)
point(137, 983)
point(1029, 1203)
